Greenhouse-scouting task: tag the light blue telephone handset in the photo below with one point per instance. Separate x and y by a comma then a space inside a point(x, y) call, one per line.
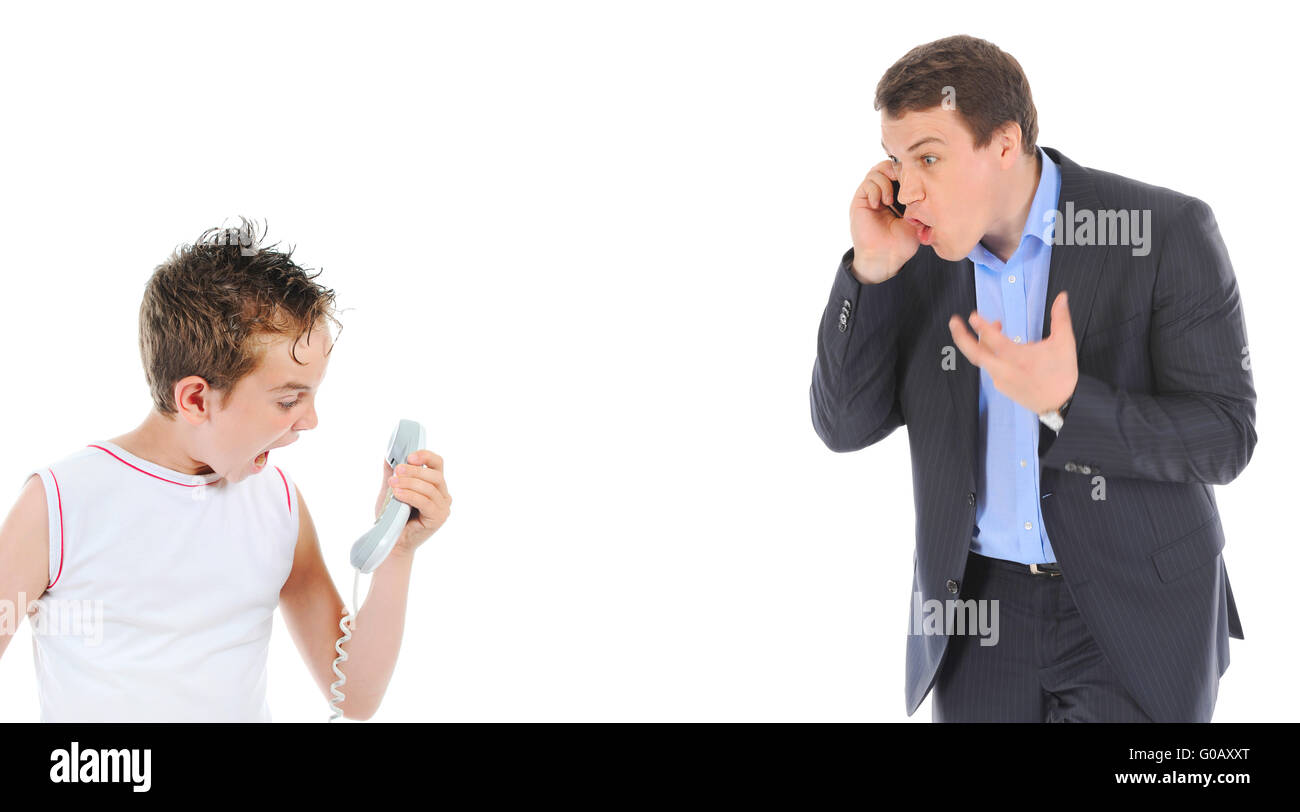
point(369, 551)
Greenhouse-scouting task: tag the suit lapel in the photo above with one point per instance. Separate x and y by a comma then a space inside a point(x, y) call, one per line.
point(1072, 268)
point(964, 381)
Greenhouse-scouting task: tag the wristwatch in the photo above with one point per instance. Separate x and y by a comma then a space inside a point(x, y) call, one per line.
point(1056, 418)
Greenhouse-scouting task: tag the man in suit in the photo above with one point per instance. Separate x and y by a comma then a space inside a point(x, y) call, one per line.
point(1061, 460)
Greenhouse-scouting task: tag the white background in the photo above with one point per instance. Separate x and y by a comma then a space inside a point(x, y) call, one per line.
point(588, 246)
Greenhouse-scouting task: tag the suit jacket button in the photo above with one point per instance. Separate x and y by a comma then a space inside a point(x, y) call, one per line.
point(1085, 470)
point(952, 586)
point(970, 498)
point(1071, 467)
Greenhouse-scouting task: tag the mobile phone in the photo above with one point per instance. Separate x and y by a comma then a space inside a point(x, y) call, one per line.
point(894, 205)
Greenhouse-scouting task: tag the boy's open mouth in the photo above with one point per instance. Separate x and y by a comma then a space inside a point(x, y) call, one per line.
point(259, 462)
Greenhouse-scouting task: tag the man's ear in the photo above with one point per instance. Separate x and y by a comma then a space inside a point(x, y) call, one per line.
point(195, 399)
point(1007, 139)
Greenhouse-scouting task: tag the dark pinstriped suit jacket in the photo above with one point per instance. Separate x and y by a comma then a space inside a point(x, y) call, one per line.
point(1165, 407)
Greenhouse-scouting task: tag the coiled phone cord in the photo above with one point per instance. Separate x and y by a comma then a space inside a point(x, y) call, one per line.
point(344, 626)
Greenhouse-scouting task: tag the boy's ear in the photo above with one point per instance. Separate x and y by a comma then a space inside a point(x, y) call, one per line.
point(195, 399)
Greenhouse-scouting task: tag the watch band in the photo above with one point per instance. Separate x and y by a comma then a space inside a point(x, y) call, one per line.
point(1056, 418)
point(1053, 420)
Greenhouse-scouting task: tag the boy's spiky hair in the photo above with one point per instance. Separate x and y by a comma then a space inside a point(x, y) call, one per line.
point(207, 308)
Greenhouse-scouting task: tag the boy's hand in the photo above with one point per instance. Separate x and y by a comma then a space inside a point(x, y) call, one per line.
point(424, 489)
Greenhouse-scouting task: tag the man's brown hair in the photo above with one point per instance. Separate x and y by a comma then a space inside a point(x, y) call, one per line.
point(984, 83)
point(209, 307)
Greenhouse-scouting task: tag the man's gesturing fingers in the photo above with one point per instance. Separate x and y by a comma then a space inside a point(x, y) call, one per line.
point(978, 352)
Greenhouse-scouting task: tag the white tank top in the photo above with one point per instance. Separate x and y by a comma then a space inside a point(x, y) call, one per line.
point(162, 590)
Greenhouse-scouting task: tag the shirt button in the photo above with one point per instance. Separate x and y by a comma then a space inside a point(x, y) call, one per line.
point(1016, 339)
point(952, 586)
point(1022, 463)
point(1029, 525)
point(1011, 279)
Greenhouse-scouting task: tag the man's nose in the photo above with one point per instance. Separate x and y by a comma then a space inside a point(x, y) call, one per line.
point(909, 193)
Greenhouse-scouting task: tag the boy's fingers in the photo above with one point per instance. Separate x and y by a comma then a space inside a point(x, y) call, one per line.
point(425, 457)
point(431, 475)
point(411, 491)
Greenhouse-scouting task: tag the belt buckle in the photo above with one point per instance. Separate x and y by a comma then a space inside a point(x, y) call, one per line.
point(1054, 569)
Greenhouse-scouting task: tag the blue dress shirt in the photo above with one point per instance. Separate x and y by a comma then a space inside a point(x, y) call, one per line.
point(1009, 516)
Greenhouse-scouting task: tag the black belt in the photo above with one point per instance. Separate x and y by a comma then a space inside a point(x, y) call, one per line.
point(1048, 570)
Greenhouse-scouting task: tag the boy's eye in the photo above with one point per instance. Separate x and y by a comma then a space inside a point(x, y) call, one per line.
point(288, 406)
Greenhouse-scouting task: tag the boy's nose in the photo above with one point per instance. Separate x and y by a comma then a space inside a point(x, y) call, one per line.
point(308, 420)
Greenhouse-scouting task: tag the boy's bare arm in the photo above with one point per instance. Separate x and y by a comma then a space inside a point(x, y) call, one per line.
point(312, 609)
point(24, 557)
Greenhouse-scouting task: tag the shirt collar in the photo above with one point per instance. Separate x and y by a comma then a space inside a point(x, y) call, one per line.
point(1042, 212)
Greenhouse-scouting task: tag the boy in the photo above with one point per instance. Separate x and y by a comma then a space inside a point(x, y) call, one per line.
point(183, 535)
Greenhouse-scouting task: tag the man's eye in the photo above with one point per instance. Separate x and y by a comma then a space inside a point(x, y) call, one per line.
point(928, 157)
point(288, 406)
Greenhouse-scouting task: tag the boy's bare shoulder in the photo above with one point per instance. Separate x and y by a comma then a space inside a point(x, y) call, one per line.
point(24, 561)
point(30, 509)
point(24, 536)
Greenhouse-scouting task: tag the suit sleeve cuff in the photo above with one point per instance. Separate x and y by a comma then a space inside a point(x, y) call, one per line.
point(1068, 449)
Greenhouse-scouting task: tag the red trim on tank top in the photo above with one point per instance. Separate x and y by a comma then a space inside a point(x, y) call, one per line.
point(286, 488)
point(59, 494)
point(155, 476)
